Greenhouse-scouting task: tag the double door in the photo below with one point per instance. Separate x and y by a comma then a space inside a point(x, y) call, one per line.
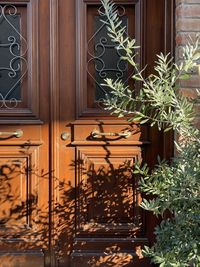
point(67, 193)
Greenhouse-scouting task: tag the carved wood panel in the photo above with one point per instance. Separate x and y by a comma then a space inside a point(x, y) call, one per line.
point(22, 214)
point(108, 198)
point(13, 191)
point(19, 185)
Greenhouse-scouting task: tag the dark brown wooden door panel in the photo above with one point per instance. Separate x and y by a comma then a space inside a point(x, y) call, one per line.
point(108, 215)
point(23, 208)
point(107, 200)
point(107, 226)
point(17, 188)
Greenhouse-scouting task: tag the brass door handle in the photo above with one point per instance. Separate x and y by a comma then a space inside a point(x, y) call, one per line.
point(17, 134)
point(95, 134)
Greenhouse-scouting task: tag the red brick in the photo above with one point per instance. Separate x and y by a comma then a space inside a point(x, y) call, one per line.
point(197, 108)
point(188, 26)
point(183, 38)
point(189, 92)
point(187, 2)
point(197, 122)
point(193, 82)
point(188, 11)
point(179, 53)
point(192, 25)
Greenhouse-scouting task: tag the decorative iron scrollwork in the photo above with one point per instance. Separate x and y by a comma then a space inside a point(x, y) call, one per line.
point(102, 55)
point(15, 68)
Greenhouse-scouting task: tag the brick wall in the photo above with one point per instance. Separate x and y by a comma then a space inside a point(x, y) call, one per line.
point(188, 24)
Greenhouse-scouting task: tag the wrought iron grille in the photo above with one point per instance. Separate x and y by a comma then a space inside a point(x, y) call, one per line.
point(13, 53)
point(104, 58)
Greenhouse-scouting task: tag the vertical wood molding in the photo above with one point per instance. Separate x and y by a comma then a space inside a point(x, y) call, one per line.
point(54, 119)
point(33, 43)
point(169, 47)
point(169, 27)
point(80, 48)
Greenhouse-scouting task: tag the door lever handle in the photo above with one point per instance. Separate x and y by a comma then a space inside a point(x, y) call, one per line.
point(95, 134)
point(17, 134)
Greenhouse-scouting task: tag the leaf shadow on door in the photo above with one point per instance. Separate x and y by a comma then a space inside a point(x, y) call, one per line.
point(92, 223)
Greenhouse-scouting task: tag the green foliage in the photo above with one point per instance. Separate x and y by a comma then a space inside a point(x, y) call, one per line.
point(175, 187)
point(161, 104)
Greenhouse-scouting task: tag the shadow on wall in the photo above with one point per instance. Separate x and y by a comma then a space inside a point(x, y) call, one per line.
point(103, 204)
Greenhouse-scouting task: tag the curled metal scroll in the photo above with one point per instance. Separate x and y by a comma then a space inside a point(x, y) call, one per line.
point(18, 62)
point(97, 51)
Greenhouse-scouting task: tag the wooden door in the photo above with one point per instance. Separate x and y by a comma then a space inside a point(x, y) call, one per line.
point(96, 197)
point(67, 195)
point(24, 137)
